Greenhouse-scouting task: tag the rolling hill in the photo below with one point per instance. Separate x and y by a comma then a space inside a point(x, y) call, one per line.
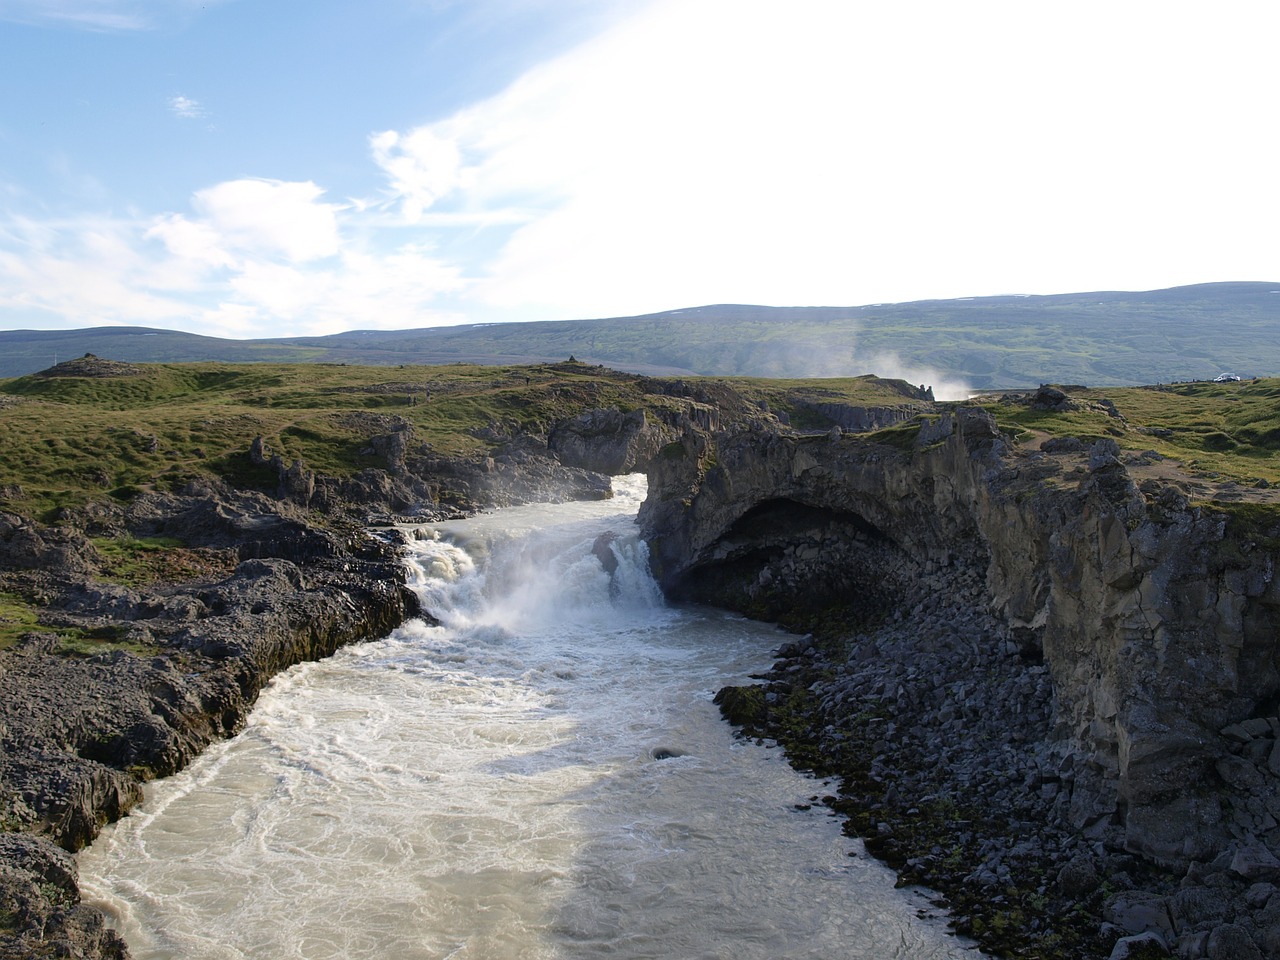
point(983, 343)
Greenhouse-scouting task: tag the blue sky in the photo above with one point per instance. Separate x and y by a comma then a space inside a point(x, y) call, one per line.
point(287, 167)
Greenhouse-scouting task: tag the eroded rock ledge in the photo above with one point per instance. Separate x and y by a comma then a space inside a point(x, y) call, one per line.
point(81, 734)
point(1048, 682)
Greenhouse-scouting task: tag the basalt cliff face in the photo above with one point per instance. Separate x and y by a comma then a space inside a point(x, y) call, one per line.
point(1156, 623)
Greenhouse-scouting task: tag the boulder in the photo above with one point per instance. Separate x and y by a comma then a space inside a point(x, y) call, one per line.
point(1050, 398)
point(1253, 861)
point(1142, 946)
point(1078, 878)
point(1138, 912)
point(1232, 942)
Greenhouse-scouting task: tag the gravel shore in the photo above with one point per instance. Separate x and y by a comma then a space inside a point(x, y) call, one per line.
point(937, 726)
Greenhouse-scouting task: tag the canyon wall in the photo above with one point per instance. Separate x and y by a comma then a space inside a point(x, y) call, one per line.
point(1156, 617)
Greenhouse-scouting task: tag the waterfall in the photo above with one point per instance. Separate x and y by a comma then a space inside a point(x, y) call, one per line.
point(539, 773)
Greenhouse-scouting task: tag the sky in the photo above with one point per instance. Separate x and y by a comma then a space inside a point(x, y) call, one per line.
point(300, 167)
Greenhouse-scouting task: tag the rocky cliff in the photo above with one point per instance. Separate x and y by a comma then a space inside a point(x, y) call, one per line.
point(182, 661)
point(134, 661)
point(1152, 619)
point(259, 584)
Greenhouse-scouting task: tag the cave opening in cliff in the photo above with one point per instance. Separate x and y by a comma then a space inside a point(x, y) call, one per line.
point(799, 565)
point(782, 518)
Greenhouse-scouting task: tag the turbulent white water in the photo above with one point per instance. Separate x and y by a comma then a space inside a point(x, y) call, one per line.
point(542, 776)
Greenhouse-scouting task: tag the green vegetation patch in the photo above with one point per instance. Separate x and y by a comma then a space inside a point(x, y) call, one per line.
point(1217, 431)
point(87, 643)
point(75, 439)
point(138, 562)
point(79, 438)
point(901, 437)
point(19, 616)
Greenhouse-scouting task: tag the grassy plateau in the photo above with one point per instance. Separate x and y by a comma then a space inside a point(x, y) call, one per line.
point(1224, 432)
point(70, 439)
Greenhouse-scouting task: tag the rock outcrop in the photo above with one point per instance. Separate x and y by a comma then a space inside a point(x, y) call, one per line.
point(1155, 620)
point(183, 662)
point(264, 579)
point(608, 441)
point(861, 418)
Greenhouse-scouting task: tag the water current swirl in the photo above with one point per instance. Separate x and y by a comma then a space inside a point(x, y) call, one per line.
point(541, 775)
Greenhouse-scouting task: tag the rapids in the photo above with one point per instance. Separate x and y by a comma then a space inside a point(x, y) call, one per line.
point(542, 774)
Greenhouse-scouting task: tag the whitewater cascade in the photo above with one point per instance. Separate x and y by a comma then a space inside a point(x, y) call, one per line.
point(541, 774)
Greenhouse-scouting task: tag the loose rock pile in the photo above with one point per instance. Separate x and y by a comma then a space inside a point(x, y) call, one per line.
point(91, 366)
point(937, 724)
point(1253, 771)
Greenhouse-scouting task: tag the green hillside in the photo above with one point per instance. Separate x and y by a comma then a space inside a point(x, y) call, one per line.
point(1103, 339)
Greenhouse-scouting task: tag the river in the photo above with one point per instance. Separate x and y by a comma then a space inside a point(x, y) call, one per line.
point(540, 775)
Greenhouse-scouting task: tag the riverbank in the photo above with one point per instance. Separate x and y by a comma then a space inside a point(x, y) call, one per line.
point(939, 732)
point(1045, 676)
point(174, 535)
point(155, 672)
point(1043, 665)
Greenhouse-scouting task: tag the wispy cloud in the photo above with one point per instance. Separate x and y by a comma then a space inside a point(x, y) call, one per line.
point(99, 15)
point(422, 167)
point(186, 108)
point(88, 273)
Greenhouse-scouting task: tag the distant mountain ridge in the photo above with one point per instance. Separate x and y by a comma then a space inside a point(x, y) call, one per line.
point(1107, 338)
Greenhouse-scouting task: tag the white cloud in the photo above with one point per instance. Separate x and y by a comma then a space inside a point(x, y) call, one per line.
point(240, 220)
point(186, 108)
point(361, 292)
point(422, 167)
point(191, 240)
point(92, 274)
point(727, 150)
point(364, 291)
point(258, 258)
point(705, 151)
point(271, 217)
point(238, 321)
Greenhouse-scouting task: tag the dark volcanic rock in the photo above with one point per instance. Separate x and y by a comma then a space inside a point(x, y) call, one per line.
point(26, 545)
point(254, 525)
point(1051, 398)
point(82, 733)
point(863, 419)
point(608, 441)
point(39, 915)
point(1015, 680)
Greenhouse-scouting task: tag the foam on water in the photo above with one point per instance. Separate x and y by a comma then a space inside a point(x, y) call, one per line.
point(541, 774)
